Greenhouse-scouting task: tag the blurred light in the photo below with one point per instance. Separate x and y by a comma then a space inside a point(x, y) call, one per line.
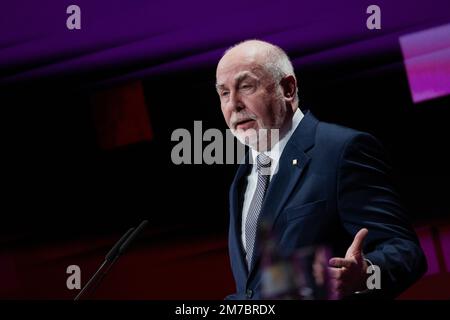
point(427, 61)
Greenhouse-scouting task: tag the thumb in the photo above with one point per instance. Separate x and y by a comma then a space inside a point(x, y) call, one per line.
point(357, 244)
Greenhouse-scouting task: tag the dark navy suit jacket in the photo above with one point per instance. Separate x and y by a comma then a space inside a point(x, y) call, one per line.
point(339, 185)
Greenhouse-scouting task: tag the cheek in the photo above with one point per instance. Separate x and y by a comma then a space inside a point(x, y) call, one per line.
point(226, 114)
point(257, 105)
point(264, 109)
point(278, 116)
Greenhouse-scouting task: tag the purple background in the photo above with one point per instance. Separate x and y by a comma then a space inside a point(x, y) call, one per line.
point(168, 36)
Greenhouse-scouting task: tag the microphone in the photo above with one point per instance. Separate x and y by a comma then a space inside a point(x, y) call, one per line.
point(116, 251)
point(124, 246)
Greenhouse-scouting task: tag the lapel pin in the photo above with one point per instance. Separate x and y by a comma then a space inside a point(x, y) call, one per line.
point(294, 162)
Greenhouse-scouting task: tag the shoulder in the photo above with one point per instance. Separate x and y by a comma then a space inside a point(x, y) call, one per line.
point(331, 141)
point(335, 133)
point(331, 134)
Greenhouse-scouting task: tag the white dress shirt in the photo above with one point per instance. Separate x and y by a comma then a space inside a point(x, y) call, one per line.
point(252, 178)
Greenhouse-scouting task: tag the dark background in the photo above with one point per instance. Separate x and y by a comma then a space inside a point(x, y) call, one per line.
point(58, 170)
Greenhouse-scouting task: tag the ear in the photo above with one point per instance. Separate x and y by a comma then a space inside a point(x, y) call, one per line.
point(289, 86)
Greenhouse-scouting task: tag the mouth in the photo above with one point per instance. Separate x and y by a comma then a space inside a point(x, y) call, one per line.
point(244, 124)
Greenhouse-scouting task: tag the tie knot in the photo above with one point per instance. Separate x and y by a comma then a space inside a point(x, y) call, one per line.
point(263, 162)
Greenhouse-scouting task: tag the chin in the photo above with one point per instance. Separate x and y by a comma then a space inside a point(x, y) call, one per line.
point(245, 137)
point(250, 138)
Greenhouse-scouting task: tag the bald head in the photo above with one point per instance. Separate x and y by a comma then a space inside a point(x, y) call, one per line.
point(254, 50)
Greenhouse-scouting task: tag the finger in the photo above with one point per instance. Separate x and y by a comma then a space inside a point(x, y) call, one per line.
point(340, 262)
point(358, 241)
point(335, 273)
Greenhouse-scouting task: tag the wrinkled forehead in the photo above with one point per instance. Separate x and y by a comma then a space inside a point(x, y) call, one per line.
point(233, 67)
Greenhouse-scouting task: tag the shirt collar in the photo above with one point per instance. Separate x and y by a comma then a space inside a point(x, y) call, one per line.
point(277, 149)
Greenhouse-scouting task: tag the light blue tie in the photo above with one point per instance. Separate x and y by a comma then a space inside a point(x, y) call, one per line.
point(263, 163)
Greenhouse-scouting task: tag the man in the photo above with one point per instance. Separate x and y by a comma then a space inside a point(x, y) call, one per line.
point(327, 184)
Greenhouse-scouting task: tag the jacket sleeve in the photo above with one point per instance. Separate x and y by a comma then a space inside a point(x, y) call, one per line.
point(367, 199)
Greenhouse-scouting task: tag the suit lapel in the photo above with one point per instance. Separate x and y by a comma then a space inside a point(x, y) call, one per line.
point(284, 181)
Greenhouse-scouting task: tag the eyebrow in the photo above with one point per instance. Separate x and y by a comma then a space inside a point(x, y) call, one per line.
point(239, 78)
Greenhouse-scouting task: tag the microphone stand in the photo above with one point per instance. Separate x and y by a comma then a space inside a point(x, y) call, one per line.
point(117, 250)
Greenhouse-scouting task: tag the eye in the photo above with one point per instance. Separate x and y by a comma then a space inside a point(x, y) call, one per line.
point(224, 93)
point(247, 87)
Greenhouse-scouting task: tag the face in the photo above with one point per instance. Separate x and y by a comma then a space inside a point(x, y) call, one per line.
point(250, 98)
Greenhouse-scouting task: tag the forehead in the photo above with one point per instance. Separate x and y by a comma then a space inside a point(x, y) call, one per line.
point(233, 67)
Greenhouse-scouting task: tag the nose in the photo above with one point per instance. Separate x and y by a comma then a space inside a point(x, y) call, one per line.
point(235, 103)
